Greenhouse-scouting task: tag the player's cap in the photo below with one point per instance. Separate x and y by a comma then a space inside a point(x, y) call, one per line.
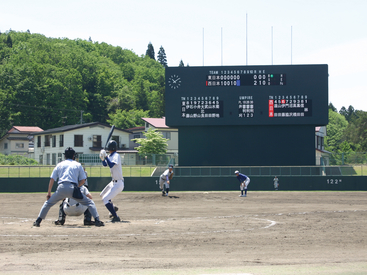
point(236, 172)
point(170, 166)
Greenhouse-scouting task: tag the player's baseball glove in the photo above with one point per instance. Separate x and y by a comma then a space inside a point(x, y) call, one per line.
point(171, 176)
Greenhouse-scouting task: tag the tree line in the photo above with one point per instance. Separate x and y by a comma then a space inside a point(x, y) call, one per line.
point(347, 134)
point(51, 82)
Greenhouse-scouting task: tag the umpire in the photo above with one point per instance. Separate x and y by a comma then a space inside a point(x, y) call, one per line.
point(70, 173)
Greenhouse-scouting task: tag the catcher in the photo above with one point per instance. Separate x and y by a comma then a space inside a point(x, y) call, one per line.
point(164, 180)
point(71, 207)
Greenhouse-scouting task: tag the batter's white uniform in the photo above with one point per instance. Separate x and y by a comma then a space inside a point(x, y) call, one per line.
point(72, 207)
point(117, 184)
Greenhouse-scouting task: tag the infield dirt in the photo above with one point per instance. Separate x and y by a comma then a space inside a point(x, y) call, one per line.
point(191, 233)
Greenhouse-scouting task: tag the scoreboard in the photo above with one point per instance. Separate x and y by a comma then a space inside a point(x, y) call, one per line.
point(247, 95)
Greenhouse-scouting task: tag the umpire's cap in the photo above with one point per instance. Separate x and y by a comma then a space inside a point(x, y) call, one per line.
point(69, 153)
point(236, 172)
point(112, 145)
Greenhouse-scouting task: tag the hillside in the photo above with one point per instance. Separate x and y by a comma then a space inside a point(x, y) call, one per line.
point(50, 82)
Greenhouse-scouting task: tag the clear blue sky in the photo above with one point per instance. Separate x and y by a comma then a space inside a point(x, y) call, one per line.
point(213, 33)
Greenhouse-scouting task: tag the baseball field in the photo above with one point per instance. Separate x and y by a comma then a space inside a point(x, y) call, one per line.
point(273, 232)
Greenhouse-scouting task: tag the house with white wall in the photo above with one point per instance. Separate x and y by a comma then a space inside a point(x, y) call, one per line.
point(86, 139)
point(169, 133)
point(322, 156)
point(19, 141)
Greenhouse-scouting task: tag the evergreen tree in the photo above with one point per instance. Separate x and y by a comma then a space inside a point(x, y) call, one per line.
point(150, 51)
point(9, 41)
point(162, 58)
point(331, 106)
point(349, 113)
point(181, 64)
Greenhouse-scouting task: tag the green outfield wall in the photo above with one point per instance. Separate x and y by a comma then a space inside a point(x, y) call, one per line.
point(258, 183)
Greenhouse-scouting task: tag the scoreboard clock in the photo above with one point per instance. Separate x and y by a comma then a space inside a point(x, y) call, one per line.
point(247, 95)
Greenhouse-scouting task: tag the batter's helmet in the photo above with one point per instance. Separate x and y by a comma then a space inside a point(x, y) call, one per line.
point(112, 145)
point(69, 153)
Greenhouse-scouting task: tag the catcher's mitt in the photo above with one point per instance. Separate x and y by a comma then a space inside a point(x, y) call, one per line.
point(171, 176)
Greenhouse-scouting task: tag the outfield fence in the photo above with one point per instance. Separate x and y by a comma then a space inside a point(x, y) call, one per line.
point(192, 171)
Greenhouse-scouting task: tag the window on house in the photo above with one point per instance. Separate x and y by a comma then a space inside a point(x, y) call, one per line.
point(61, 141)
point(97, 141)
point(78, 140)
point(47, 140)
point(167, 135)
point(40, 159)
point(59, 157)
point(48, 161)
point(117, 139)
point(5, 145)
point(19, 145)
point(39, 141)
point(320, 143)
point(53, 141)
point(136, 136)
point(54, 159)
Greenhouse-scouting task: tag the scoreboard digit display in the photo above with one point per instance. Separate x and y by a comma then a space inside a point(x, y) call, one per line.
point(247, 95)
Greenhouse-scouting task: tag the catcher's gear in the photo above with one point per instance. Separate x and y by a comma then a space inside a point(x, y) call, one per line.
point(102, 154)
point(112, 145)
point(73, 208)
point(69, 153)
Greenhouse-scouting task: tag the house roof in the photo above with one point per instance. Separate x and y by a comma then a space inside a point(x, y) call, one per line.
point(73, 127)
point(24, 129)
point(156, 122)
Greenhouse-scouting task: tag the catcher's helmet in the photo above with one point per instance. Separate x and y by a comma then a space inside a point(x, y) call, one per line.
point(69, 153)
point(112, 145)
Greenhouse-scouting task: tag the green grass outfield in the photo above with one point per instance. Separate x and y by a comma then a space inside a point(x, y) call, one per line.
point(128, 171)
point(93, 171)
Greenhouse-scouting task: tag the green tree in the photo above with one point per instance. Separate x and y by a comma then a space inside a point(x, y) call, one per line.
point(154, 143)
point(331, 106)
point(9, 41)
point(356, 132)
point(128, 119)
point(150, 51)
point(181, 64)
point(349, 113)
point(162, 58)
point(335, 131)
point(48, 82)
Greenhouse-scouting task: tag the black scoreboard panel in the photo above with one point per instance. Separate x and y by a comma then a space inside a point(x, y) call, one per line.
point(247, 95)
point(271, 145)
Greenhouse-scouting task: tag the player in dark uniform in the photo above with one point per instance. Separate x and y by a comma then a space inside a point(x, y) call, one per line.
point(244, 180)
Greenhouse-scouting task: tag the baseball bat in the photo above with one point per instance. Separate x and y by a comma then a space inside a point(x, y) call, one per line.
point(109, 135)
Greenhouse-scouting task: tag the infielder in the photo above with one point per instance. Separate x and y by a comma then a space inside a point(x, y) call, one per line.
point(117, 184)
point(244, 180)
point(164, 180)
point(69, 173)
